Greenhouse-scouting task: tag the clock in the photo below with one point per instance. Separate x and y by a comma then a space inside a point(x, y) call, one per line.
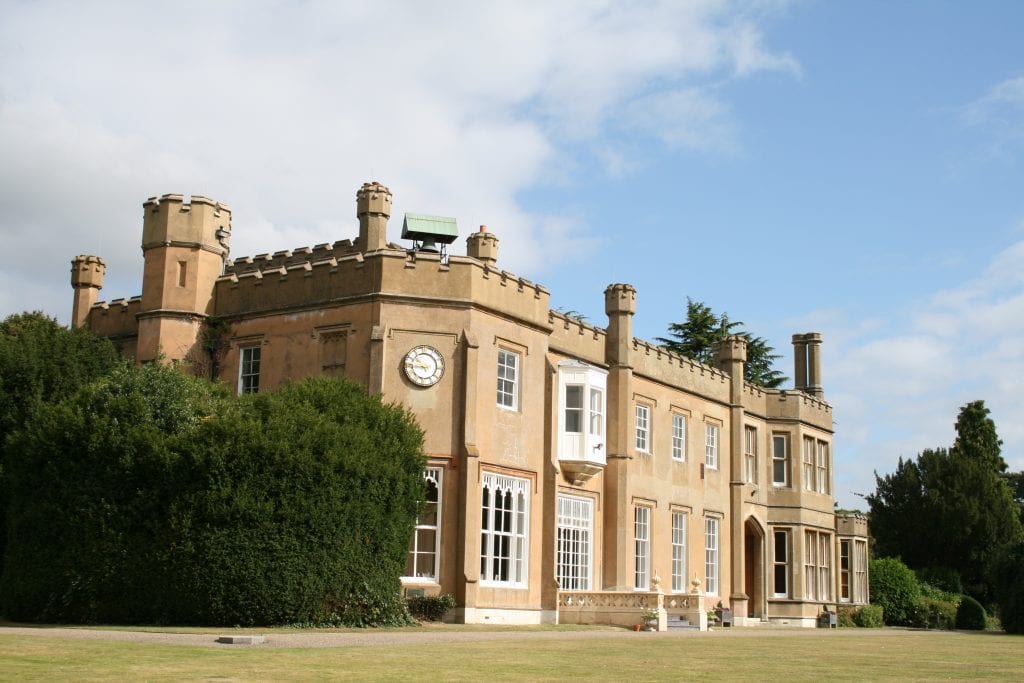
point(423, 365)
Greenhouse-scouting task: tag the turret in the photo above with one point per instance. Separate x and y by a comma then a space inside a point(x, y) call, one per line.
point(483, 246)
point(184, 246)
point(373, 208)
point(87, 280)
point(620, 306)
point(729, 356)
point(807, 363)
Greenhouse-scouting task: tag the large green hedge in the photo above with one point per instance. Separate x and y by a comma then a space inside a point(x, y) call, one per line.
point(895, 589)
point(149, 497)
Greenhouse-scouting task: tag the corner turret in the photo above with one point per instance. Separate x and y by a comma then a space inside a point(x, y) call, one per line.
point(373, 209)
point(483, 246)
point(185, 246)
point(87, 280)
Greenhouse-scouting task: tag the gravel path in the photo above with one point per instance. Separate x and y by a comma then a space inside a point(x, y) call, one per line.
point(384, 637)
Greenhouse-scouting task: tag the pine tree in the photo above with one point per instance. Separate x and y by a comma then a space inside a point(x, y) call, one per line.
point(696, 337)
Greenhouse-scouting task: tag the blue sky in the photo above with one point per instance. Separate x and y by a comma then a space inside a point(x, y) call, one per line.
point(853, 168)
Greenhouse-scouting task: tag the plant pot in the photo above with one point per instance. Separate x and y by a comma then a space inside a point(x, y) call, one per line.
point(636, 627)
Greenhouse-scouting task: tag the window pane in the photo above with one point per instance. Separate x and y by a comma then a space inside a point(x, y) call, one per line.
point(574, 408)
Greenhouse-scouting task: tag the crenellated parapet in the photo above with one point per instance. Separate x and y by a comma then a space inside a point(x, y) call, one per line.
point(289, 257)
point(202, 222)
point(576, 338)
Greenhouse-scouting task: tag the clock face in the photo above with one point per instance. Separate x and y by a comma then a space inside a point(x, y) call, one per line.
point(423, 365)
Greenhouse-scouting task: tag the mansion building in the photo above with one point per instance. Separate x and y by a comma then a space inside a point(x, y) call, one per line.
point(576, 474)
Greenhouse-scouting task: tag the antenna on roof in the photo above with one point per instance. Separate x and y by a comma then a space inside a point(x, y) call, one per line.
point(430, 233)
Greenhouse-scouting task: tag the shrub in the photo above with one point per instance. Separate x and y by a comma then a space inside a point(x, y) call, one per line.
point(868, 616)
point(935, 613)
point(894, 588)
point(172, 504)
point(430, 607)
point(971, 615)
point(844, 617)
point(1010, 588)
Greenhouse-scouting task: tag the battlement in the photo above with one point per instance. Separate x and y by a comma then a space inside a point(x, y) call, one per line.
point(87, 271)
point(169, 219)
point(852, 524)
point(314, 276)
point(289, 257)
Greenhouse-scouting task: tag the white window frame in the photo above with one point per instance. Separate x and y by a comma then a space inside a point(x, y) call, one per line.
point(680, 520)
point(780, 562)
point(504, 539)
point(822, 466)
point(596, 422)
point(574, 543)
point(643, 428)
point(508, 379)
point(573, 408)
point(249, 360)
point(642, 548)
point(817, 566)
point(780, 457)
point(678, 437)
point(711, 434)
point(750, 454)
point(417, 547)
point(860, 555)
point(808, 463)
point(845, 570)
point(712, 547)
point(590, 383)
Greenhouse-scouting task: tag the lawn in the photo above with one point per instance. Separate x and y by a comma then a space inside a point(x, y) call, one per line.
point(740, 656)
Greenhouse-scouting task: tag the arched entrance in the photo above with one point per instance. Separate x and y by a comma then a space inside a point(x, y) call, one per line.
point(753, 571)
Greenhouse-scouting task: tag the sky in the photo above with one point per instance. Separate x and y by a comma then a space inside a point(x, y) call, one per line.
point(851, 168)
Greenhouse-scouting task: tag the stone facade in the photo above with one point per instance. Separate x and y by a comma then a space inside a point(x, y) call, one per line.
point(577, 473)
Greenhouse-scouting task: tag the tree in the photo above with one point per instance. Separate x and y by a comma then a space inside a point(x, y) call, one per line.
point(1015, 480)
point(950, 510)
point(696, 337)
point(41, 361)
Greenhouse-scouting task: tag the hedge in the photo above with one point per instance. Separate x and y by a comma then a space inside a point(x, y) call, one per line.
point(152, 498)
point(894, 588)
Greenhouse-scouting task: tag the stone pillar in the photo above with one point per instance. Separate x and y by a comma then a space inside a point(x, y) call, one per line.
point(483, 246)
point(620, 305)
point(373, 208)
point(730, 356)
point(87, 281)
point(467, 572)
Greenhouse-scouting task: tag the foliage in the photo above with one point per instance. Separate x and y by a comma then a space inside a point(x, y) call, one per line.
point(970, 616)
point(1015, 480)
point(1009, 588)
point(949, 513)
point(696, 337)
point(942, 579)
point(894, 588)
point(172, 503)
point(41, 360)
point(934, 613)
point(844, 616)
point(430, 607)
point(868, 616)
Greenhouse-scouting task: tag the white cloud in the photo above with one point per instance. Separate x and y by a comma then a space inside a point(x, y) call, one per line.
point(1000, 112)
point(283, 110)
point(897, 389)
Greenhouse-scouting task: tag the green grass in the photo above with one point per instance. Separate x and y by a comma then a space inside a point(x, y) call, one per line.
point(788, 656)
